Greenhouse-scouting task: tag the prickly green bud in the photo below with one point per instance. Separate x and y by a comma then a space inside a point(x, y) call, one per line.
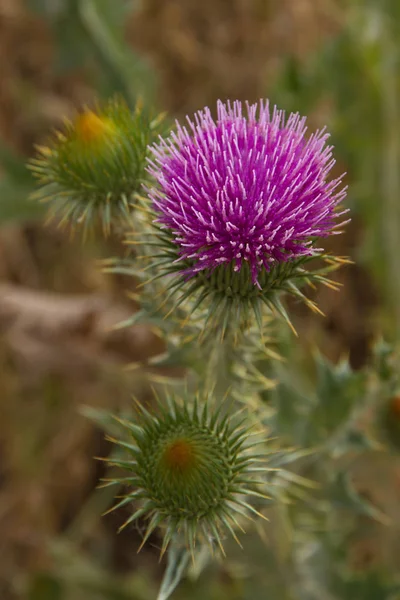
point(93, 167)
point(192, 470)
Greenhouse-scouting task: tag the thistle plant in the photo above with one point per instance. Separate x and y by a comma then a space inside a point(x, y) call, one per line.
point(226, 216)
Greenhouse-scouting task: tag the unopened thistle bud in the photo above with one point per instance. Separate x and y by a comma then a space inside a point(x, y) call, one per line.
point(238, 206)
point(192, 472)
point(93, 167)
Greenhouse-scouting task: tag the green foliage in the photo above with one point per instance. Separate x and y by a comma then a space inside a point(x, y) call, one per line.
point(311, 418)
point(335, 412)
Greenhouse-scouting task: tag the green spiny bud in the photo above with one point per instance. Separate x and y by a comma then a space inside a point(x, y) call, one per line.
point(93, 167)
point(192, 470)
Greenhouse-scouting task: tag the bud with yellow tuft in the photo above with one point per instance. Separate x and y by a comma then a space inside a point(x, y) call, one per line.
point(95, 166)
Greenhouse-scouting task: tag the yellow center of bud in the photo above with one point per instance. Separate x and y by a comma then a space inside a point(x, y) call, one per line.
point(91, 128)
point(179, 456)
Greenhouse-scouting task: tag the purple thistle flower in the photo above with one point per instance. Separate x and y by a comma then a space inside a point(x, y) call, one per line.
point(246, 188)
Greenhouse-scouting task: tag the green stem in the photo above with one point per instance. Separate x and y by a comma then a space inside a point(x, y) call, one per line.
point(178, 562)
point(219, 368)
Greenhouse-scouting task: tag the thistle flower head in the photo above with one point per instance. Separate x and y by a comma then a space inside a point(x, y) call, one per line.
point(192, 472)
point(240, 200)
point(92, 168)
point(244, 188)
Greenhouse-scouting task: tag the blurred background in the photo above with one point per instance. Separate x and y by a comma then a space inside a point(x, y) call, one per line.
point(336, 61)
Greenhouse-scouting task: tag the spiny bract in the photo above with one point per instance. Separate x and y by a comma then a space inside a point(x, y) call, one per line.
point(192, 471)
